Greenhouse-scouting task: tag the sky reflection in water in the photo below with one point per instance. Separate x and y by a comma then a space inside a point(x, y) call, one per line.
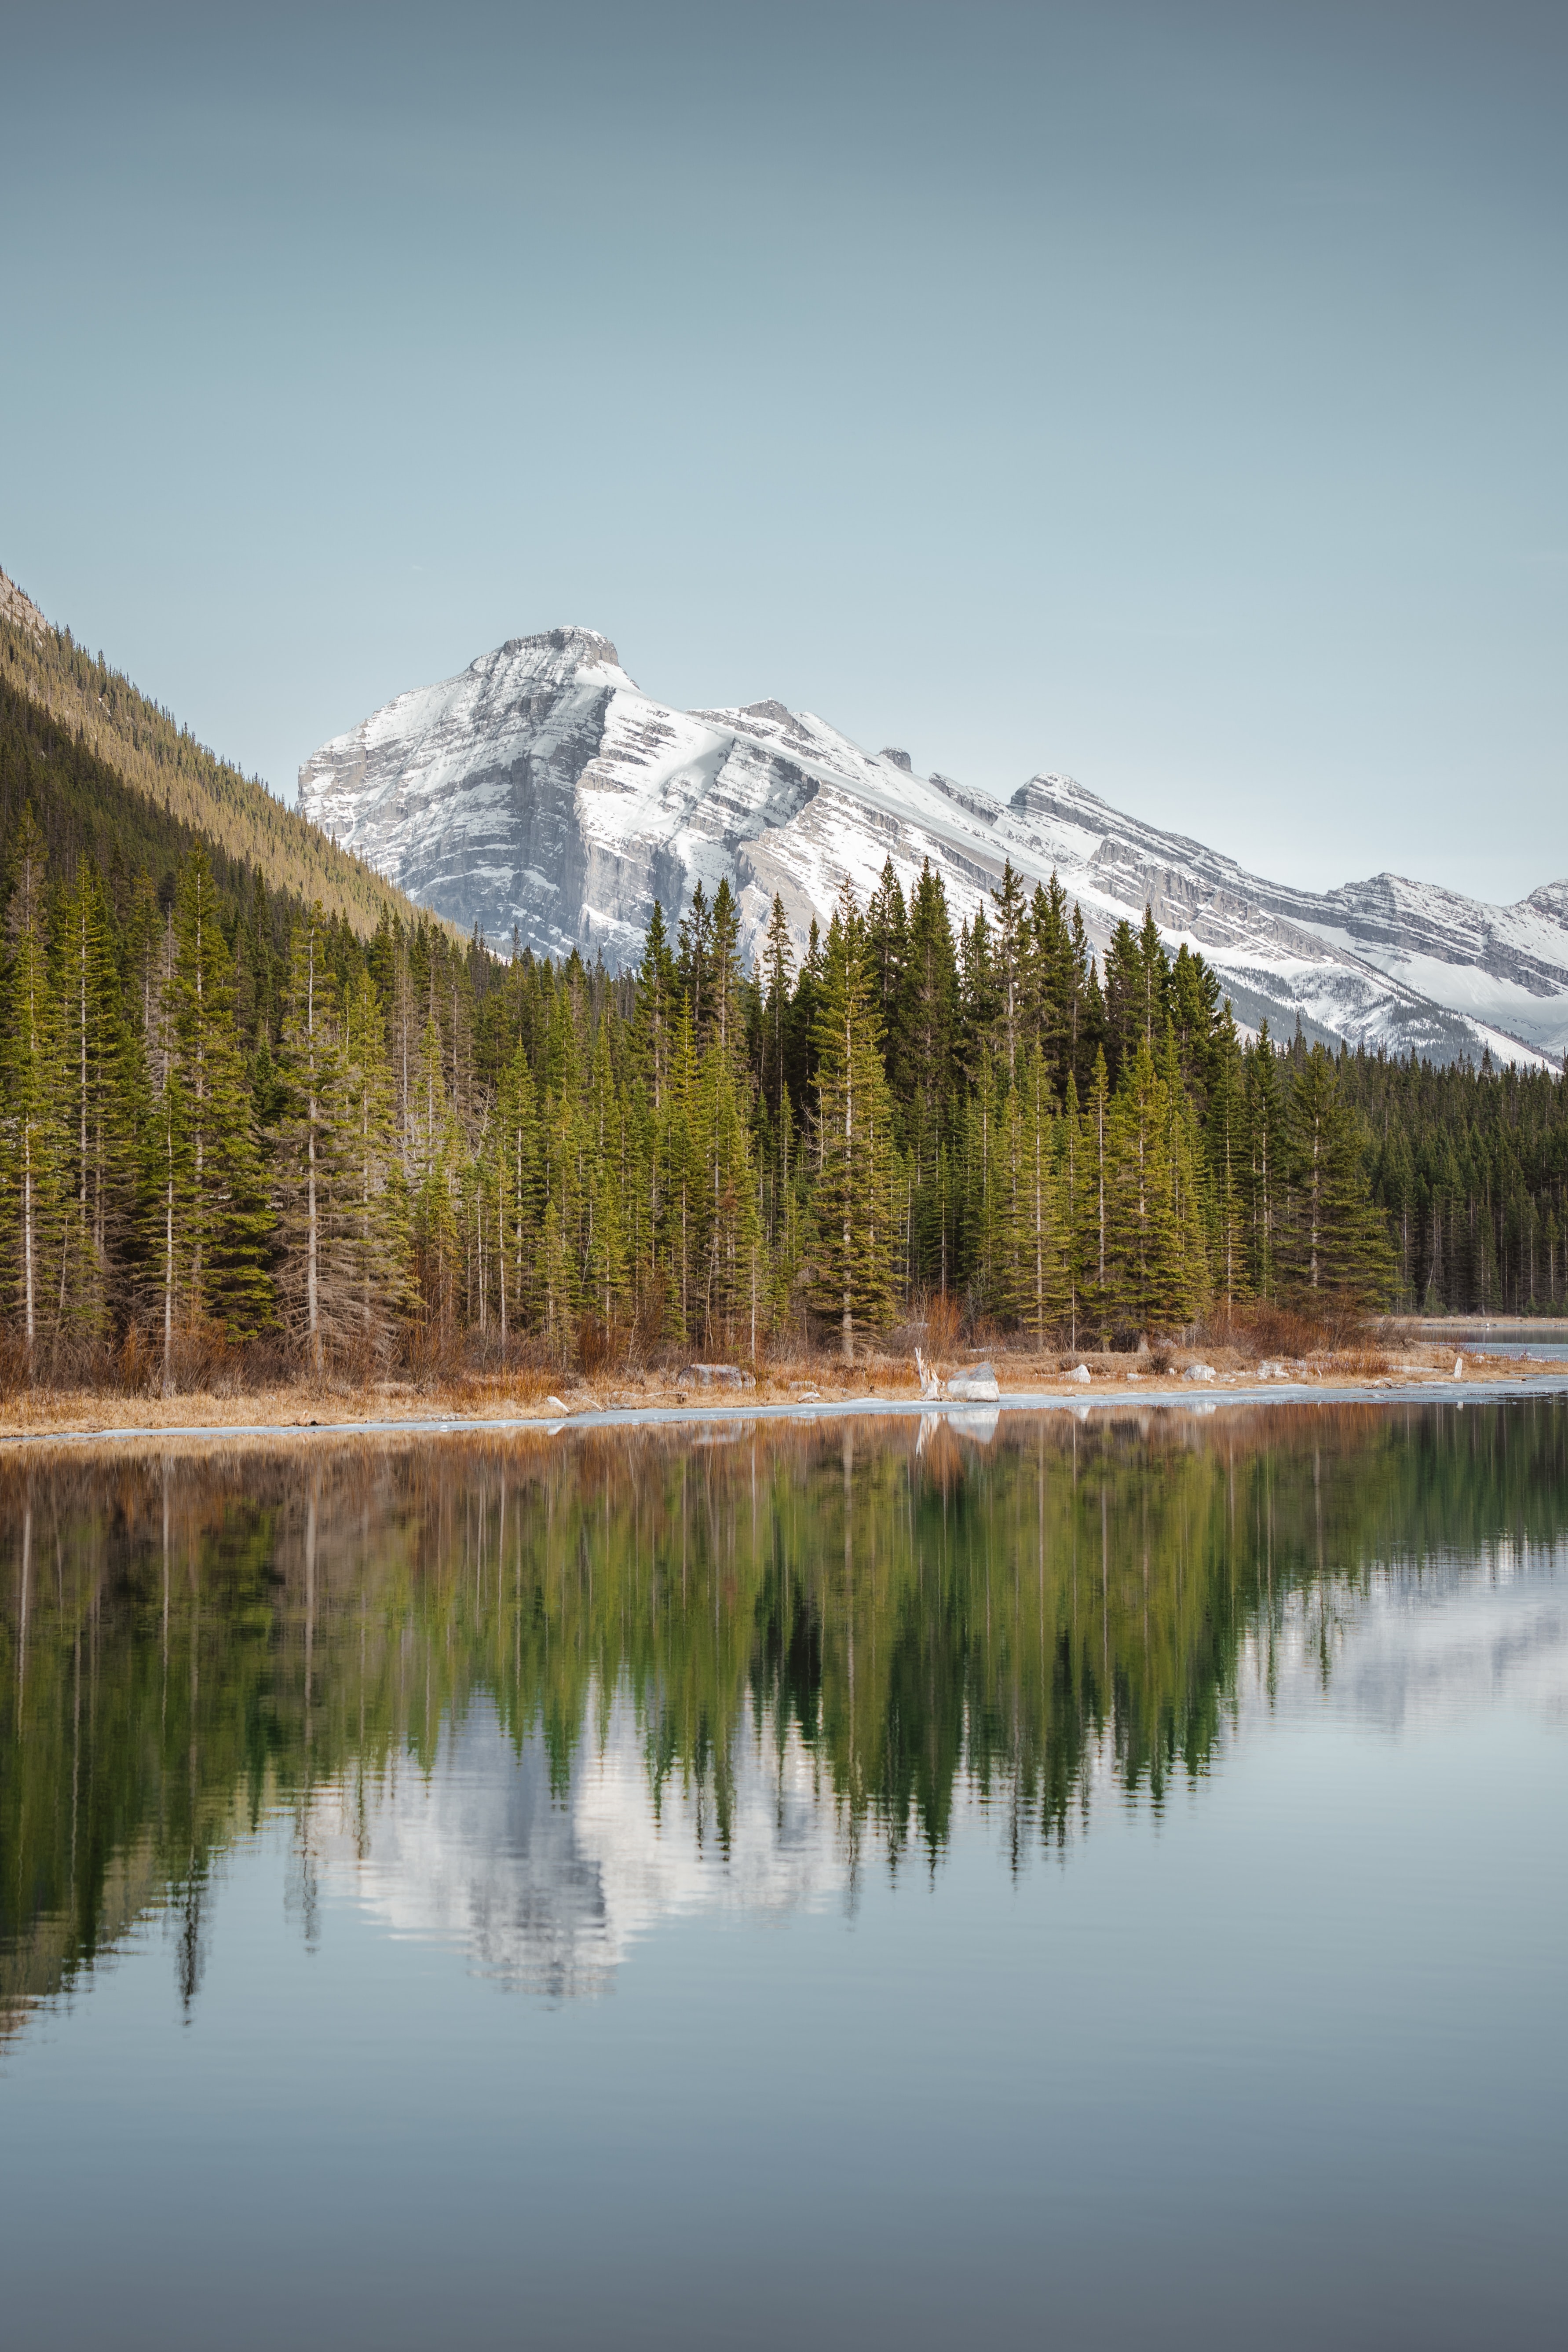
point(1158, 1821)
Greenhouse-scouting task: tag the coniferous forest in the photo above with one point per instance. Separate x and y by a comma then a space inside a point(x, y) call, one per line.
point(231, 1121)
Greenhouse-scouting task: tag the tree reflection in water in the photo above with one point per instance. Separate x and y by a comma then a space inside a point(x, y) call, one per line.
point(531, 1693)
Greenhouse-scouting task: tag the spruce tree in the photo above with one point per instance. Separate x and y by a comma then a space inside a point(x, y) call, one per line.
point(1070, 1165)
point(515, 1127)
point(1336, 1247)
point(37, 1219)
point(985, 1177)
point(92, 1043)
point(887, 945)
point(778, 962)
point(1226, 1150)
point(1038, 1279)
point(1150, 1285)
point(1051, 980)
point(854, 1203)
point(373, 1208)
point(1091, 1226)
point(978, 999)
point(309, 1143)
point(724, 1019)
point(1190, 1187)
point(1009, 941)
point(1265, 1131)
point(207, 1203)
point(923, 1100)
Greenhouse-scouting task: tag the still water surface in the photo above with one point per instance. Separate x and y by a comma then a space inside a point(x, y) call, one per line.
point(1051, 1882)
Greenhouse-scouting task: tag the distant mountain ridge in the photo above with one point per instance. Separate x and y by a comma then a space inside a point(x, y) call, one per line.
point(542, 791)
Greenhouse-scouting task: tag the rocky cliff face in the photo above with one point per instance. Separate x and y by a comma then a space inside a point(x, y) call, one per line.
point(542, 794)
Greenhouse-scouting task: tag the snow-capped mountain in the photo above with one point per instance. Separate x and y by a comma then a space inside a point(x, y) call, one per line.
point(541, 791)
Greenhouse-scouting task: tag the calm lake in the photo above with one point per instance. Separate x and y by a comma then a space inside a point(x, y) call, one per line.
point(1067, 1881)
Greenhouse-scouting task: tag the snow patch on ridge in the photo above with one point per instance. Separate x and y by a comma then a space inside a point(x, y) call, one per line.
point(542, 791)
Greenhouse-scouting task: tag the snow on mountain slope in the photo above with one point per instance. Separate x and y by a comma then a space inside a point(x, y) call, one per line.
point(540, 792)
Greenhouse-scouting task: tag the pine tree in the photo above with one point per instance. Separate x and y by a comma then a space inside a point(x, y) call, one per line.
point(1009, 942)
point(434, 1153)
point(977, 993)
point(606, 1279)
point(1137, 983)
point(1336, 1247)
point(1071, 1167)
point(888, 946)
point(681, 1150)
point(923, 1096)
point(1092, 1227)
point(1151, 1285)
point(233, 1221)
point(803, 1045)
point(1189, 1290)
point(778, 961)
point(724, 1022)
point(694, 962)
point(515, 1128)
point(854, 1203)
point(310, 1142)
point(982, 1216)
point(731, 1238)
point(1051, 980)
point(373, 1297)
point(1037, 1286)
point(1264, 1125)
point(1226, 1150)
point(37, 1217)
point(208, 1206)
point(93, 1075)
point(1088, 1011)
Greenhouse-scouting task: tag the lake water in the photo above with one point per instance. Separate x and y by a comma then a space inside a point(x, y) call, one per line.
point(1062, 1882)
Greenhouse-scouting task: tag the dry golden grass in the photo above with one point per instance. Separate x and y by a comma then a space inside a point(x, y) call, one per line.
point(801, 1376)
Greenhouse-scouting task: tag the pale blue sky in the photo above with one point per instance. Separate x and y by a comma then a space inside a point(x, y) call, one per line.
point(1174, 396)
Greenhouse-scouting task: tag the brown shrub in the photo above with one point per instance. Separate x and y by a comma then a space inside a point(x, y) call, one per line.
point(944, 1322)
point(136, 1366)
point(1266, 1328)
point(601, 1346)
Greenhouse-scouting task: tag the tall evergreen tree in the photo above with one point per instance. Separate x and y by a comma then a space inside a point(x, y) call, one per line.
point(1037, 1274)
point(37, 1219)
point(1151, 1283)
point(208, 1204)
point(1336, 1244)
point(94, 1090)
point(309, 1141)
point(855, 1201)
point(1225, 1152)
point(1091, 1232)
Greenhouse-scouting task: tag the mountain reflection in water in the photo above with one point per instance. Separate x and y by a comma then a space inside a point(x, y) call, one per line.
point(527, 1697)
point(546, 1889)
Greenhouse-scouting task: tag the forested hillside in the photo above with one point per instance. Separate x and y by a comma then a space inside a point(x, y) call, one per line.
point(233, 1118)
point(1471, 1167)
point(229, 1117)
point(138, 741)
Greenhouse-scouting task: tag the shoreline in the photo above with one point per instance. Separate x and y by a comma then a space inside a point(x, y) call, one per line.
point(964, 1414)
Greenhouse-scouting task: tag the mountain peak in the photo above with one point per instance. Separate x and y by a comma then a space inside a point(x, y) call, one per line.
point(539, 793)
point(558, 650)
